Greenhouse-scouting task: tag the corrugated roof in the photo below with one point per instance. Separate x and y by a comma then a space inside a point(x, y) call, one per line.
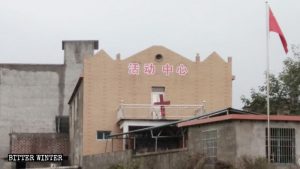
point(211, 114)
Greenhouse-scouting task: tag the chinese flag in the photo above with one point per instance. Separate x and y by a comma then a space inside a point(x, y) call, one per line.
point(274, 27)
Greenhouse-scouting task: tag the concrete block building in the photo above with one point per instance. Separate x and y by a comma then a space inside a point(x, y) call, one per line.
point(228, 135)
point(31, 96)
point(151, 88)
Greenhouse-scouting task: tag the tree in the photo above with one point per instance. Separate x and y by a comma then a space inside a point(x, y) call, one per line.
point(291, 78)
point(284, 90)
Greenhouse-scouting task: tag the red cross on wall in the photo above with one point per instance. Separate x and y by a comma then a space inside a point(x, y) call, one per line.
point(162, 103)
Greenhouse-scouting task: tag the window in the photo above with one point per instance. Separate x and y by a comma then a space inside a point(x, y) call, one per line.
point(282, 145)
point(155, 97)
point(209, 143)
point(156, 91)
point(102, 135)
point(62, 124)
point(158, 57)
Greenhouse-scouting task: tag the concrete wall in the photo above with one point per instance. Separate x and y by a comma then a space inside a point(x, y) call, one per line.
point(105, 160)
point(170, 160)
point(76, 120)
point(74, 52)
point(250, 137)
point(226, 139)
point(40, 164)
point(32, 95)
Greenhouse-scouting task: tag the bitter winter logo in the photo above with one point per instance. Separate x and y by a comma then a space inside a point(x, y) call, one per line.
point(35, 157)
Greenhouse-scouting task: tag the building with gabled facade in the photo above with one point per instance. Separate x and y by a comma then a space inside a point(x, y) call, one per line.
point(151, 88)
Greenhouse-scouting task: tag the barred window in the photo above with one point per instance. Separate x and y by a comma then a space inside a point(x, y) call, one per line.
point(209, 143)
point(282, 145)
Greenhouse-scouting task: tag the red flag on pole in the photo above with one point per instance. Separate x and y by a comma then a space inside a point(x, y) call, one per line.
point(274, 27)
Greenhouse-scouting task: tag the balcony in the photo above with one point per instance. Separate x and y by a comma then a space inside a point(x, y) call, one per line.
point(153, 112)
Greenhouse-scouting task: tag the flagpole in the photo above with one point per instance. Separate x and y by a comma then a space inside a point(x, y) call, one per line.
point(268, 83)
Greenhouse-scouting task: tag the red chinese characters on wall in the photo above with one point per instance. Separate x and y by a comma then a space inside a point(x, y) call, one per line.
point(150, 69)
point(134, 68)
point(182, 70)
point(167, 69)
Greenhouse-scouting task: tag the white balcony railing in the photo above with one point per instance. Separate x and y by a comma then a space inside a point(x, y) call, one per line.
point(149, 111)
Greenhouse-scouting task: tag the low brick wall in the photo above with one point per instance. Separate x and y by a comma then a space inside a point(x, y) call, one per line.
point(106, 160)
point(175, 159)
point(59, 167)
point(39, 143)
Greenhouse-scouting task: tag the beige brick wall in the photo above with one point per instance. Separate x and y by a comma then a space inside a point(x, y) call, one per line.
point(107, 82)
